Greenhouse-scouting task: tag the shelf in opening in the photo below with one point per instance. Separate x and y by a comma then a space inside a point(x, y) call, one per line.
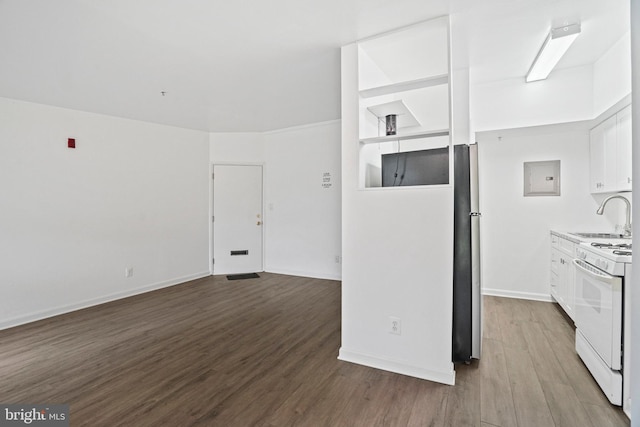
point(417, 135)
point(441, 79)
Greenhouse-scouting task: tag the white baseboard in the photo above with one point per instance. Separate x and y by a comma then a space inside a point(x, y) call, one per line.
point(448, 377)
point(517, 294)
point(32, 317)
point(313, 275)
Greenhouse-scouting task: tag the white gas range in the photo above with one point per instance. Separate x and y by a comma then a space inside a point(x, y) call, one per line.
point(611, 257)
point(603, 268)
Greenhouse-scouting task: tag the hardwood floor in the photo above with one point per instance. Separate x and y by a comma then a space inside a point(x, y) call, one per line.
point(214, 352)
point(531, 374)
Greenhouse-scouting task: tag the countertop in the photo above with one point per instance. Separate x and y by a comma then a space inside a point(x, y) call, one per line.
point(578, 239)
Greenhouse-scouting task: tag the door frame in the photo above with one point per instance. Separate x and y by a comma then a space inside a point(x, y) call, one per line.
point(211, 201)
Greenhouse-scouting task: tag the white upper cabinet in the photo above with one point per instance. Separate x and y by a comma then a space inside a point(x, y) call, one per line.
point(603, 156)
point(623, 154)
point(610, 154)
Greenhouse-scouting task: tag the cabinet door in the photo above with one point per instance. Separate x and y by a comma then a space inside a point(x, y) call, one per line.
point(596, 159)
point(602, 150)
point(558, 285)
point(623, 150)
point(554, 286)
point(562, 277)
point(566, 277)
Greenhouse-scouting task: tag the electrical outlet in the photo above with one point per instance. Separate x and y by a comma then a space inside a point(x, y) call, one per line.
point(395, 326)
point(128, 272)
point(338, 259)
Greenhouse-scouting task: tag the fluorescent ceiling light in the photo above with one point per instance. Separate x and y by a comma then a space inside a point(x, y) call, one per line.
point(554, 47)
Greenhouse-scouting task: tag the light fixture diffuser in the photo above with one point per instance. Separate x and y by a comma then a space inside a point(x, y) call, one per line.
point(557, 43)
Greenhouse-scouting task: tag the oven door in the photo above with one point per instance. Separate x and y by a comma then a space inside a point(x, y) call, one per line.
point(598, 311)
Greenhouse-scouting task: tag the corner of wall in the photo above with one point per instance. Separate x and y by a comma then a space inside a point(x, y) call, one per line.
point(612, 75)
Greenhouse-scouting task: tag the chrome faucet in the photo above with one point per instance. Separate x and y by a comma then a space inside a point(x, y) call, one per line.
point(627, 224)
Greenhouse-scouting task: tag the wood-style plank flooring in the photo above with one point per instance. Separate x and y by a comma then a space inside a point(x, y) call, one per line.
point(264, 352)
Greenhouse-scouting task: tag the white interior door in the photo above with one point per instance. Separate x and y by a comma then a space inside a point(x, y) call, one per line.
point(237, 219)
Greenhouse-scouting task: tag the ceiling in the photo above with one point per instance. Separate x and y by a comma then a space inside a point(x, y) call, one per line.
point(255, 65)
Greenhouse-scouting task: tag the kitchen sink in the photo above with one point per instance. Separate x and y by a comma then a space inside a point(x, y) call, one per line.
point(601, 235)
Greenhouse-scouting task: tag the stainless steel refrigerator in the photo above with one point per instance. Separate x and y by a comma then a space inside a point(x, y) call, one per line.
point(467, 293)
point(431, 167)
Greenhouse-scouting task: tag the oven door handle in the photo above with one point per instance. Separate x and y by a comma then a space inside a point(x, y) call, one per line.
point(594, 272)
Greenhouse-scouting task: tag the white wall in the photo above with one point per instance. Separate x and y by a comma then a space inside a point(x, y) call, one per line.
point(460, 82)
point(612, 76)
point(530, 110)
point(635, 279)
point(515, 229)
point(301, 218)
point(131, 194)
point(460, 103)
point(240, 147)
point(302, 213)
point(566, 96)
point(397, 246)
point(232, 148)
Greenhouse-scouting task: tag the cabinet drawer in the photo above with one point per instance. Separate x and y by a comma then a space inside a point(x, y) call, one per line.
point(567, 246)
point(555, 262)
point(554, 240)
point(554, 288)
point(554, 282)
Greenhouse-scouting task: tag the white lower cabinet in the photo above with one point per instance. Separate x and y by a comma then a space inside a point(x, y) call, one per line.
point(562, 275)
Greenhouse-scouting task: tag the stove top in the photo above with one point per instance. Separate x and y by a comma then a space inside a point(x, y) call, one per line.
point(624, 249)
point(611, 257)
